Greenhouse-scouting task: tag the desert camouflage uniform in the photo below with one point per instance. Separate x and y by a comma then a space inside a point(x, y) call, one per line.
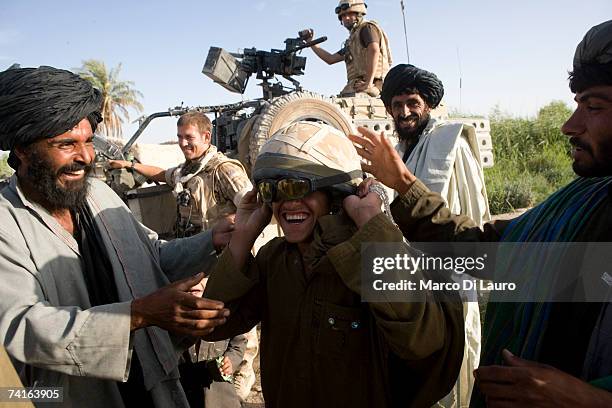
point(215, 185)
point(355, 57)
point(215, 190)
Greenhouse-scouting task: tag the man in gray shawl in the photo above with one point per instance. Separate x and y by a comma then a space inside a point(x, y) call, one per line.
point(445, 157)
point(86, 302)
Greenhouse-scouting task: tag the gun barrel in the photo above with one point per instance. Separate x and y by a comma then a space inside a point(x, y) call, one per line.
point(306, 45)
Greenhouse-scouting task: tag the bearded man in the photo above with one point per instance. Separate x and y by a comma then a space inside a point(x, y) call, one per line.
point(444, 156)
point(539, 353)
point(366, 52)
point(85, 300)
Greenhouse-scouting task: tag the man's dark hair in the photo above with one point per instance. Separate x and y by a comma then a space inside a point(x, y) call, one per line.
point(590, 75)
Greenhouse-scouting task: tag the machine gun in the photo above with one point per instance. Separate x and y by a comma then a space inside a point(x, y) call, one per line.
point(233, 70)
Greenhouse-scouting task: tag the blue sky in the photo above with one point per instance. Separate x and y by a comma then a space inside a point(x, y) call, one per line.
point(514, 54)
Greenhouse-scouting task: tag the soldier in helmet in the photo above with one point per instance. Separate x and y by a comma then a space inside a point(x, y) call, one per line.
point(321, 345)
point(366, 52)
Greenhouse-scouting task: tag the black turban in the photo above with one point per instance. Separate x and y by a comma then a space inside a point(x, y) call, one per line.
point(405, 76)
point(43, 102)
point(593, 59)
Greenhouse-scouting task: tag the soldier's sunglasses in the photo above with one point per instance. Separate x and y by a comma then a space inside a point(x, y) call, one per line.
point(294, 188)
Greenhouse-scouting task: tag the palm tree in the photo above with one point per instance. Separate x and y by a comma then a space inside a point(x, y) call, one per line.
point(117, 95)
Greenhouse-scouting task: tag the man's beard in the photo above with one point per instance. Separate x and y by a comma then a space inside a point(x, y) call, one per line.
point(44, 181)
point(597, 168)
point(410, 135)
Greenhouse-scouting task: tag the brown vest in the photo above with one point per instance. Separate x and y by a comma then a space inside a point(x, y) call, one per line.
point(207, 204)
point(355, 57)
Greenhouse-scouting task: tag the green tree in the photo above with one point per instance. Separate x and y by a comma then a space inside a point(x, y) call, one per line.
point(5, 169)
point(117, 95)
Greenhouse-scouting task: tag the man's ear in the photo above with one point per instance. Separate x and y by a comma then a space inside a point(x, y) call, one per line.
point(207, 136)
point(21, 153)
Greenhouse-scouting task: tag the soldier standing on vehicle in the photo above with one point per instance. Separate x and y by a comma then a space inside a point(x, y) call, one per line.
point(208, 186)
point(366, 52)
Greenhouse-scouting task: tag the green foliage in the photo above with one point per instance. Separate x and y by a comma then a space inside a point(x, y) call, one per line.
point(117, 95)
point(5, 169)
point(531, 158)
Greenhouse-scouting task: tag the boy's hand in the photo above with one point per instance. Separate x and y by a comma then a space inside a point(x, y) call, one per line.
point(362, 209)
point(252, 216)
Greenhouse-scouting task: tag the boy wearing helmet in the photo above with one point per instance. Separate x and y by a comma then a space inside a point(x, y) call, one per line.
point(321, 346)
point(366, 52)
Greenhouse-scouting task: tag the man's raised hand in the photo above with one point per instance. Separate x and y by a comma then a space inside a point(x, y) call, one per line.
point(381, 160)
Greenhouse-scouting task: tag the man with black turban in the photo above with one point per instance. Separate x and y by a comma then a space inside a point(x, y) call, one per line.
point(86, 302)
point(445, 157)
point(537, 354)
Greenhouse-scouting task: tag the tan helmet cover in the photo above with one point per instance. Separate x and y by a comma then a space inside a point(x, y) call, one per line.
point(308, 148)
point(357, 6)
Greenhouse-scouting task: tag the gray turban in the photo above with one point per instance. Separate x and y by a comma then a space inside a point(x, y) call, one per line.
point(593, 59)
point(404, 77)
point(43, 102)
point(595, 47)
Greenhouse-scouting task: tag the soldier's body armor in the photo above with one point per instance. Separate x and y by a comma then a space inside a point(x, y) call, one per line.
point(355, 59)
point(201, 203)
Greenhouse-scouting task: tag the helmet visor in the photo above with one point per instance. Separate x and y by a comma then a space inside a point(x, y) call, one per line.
point(284, 189)
point(295, 188)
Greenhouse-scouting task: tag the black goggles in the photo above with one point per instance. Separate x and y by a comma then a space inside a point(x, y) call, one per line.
point(344, 7)
point(294, 188)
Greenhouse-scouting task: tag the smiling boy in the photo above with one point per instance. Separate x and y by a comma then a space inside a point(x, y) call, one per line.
point(321, 346)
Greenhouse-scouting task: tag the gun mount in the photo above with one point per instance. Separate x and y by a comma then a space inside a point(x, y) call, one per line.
point(233, 70)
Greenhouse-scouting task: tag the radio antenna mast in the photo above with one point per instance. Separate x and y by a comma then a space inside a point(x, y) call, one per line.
point(405, 32)
point(460, 78)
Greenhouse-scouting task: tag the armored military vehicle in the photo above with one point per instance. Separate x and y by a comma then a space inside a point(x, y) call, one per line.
point(240, 129)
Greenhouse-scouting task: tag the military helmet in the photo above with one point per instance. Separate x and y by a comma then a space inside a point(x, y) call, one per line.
point(346, 6)
point(312, 150)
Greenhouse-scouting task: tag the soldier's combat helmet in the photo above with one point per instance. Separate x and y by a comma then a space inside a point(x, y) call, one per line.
point(313, 151)
point(347, 6)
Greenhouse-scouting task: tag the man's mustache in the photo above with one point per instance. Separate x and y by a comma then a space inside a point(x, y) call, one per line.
point(404, 118)
point(75, 167)
point(579, 144)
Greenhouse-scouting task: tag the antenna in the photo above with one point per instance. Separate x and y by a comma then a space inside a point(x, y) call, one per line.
point(460, 78)
point(405, 32)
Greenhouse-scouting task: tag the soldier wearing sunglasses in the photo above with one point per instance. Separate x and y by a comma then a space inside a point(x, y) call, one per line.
point(321, 346)
point(366, 52)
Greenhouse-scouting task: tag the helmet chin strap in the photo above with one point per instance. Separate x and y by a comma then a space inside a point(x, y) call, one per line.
point(357, 22)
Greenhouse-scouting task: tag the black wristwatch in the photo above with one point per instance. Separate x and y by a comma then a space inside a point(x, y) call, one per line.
point(132, 168)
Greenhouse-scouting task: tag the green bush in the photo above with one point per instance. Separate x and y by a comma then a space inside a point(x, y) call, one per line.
point(5, 169)
point(531, 158)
